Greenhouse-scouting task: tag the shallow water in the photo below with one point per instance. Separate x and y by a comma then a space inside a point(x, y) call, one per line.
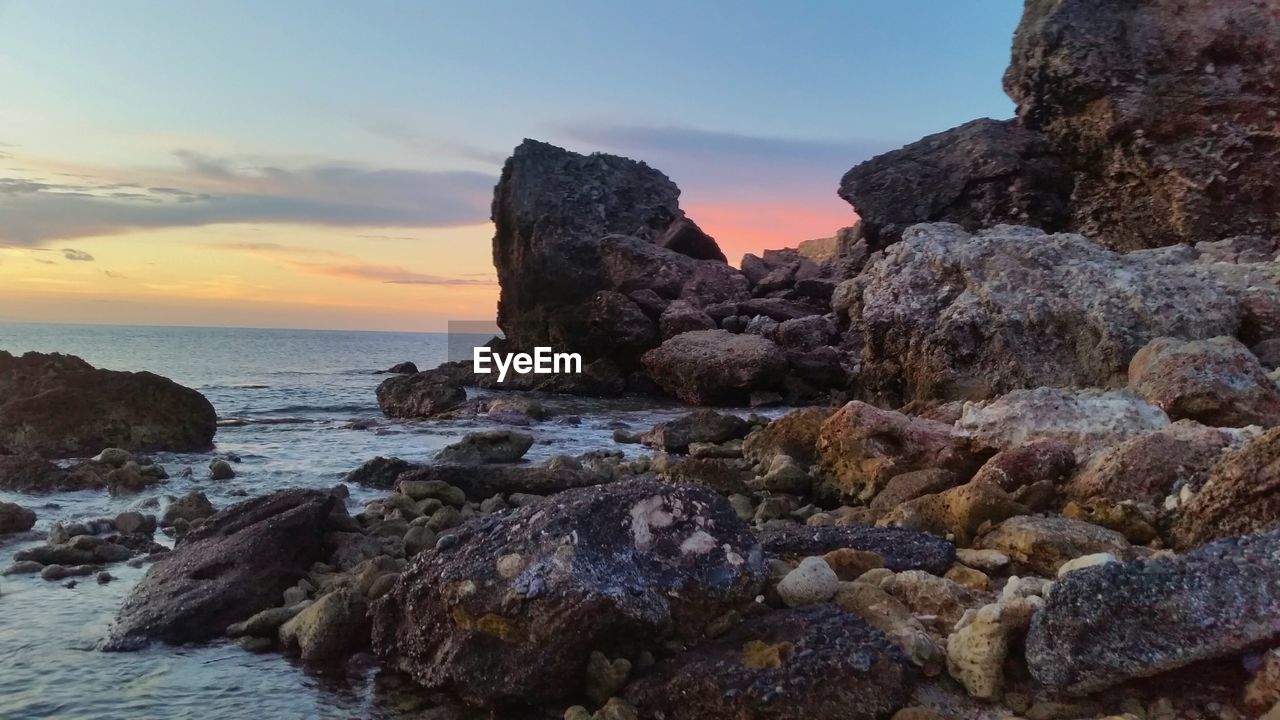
point(297, 392)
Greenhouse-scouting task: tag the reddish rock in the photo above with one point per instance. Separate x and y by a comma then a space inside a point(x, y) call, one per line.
point(1039, 461)
point(794, 434)
point(1150, 466)
point(1217, 382)
point(1242, 495)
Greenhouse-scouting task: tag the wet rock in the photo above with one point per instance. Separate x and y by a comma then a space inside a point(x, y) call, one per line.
point(699, 426)
point(190, 507)
point(220, 469)
point(267, 622)
point(15, 518)
point(332, 627)
point(422, 395)
point(60, 406)
point(29, 472)
point(24, 567)
point(1117, 621)
point(1043, 544)
point(512, 610)
point(1241, 495)
point(403, 368)
point(113, 457)
point(861, 447)
point(816, 663)
point(487, 446)
point(794, 434)
point(516, 410)
point(1150, 466)
point(1217, 382)
point(715, 367)
point(899, 549)
point(813, 581)
point(481, 482)
point(983, 173)
point(958, 513)
point(380, 472)
point(236, 564)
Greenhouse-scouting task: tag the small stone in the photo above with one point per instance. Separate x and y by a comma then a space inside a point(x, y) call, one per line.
point(813, 581)
point(105, 577)
point(131, 522)
point(984, 560)
point(220, 469)
point(113, 457)
point(968, 577)
point(742, 506)
point(850, 564)
point(53, 572)
point(605, 677)
point(294, 595)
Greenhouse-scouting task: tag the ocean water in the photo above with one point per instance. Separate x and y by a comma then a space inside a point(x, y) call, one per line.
point(286, 400)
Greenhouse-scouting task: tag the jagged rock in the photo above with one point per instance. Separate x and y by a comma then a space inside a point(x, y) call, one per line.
point(699, 426)
point(685, 237)
point(794, 434)
point(958, 512)
point(932, 596)
point(725, 476)
point(899, 548)
point(983, 173)
point(379, 472)
point(422, 395)
point(15, 518)
point(190, 507)
point(806, 333)
point(861, 447)
point(949, 315)
point(332, 627)
point(885, 613)
point(681, 317)
point(1150, 466)
point(1217, 382)
point(1043, 544)
point(911, 485)
point(487, 446)
point(715, 367)
point(1117, 621)
point(238, 563)
point(512, 611)
point(61, 406)
point(1164, 109)
point(815, 663)
point(1242, 495)
point(976, 651)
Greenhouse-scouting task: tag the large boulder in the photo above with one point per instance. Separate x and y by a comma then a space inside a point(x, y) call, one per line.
point(715, 367)
point(61, 406)
point(949, 315)
point(511, 612)
point(1165, 110)
point(699, 426)
point(421, 395)
point(983, 173)
point(794, 434)
point(15, 518)
point(487, 446)
point(1150, 466)
point(814, 663)
point(1241, 495)
point(1114, 622)
point(28, 472)
point(1217, 382)
point(238, 563)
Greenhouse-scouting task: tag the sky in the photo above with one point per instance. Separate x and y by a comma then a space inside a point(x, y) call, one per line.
point(329, 165)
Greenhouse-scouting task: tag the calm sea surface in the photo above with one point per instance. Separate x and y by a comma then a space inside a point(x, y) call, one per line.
point(296, 393)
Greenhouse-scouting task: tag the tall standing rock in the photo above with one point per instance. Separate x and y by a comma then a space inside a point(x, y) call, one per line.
point(1165, 109)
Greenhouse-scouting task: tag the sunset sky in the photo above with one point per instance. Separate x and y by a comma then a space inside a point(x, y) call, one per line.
point(316, 164)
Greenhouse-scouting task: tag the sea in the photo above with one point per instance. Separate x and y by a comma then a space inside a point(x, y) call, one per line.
point(297, 409)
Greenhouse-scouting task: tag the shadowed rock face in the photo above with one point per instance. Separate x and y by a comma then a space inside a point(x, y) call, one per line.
point(1241, 495)
point(899, 548)
point(815, 663)
point(511, 612)
point(236, 564)
point(60, 406)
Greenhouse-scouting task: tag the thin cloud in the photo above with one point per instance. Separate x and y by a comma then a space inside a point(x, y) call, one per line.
point(76, 255)
point(338, 265)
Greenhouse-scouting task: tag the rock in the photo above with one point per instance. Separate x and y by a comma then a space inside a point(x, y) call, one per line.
point(220, 469)
point(682, 317)
point(31, 473)
point(487, 446)
point(977, 650)
point(984, 560)
point(1113, 622)
point(699, 426)
point(785, 475)
point(1039, 461)
point(807, 333)
point(883, 612)
point(267, 622)
point(132, 522)
point(332, 627)
point(861, 447)
point(380, 472)
point(850, 564)
point(513, 609)
point(812, 582)
point(1242, 495)
point(403, 368)
point(60, 406)
point(24, 567)
point(605, 677)
point(1217, 382)
point(1163, 109)
point(715, 367)
point(421, 395)
point(1043, 544)
point(794, 434)
point(911, 485)
point(958, 513)
point(15, 518)
point(481, 482)
point(1150, 466)
point(685, 237)
point(1085, 561)
point(983, 173)
point(113, 457)
point(899, 549)
point(815, 663)
point(1088, 420)
point(953, 316)
point(515, 410)
point(931, 596)
point(190, 507)
point(726, 477)
point(237, 564)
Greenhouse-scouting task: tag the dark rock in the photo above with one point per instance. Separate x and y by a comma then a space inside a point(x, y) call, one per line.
point(715, 367)
point(899, 549)
point(807, 333)
point(238, 563)
point(699, 426)
point(487, 446)
point(404, 368)
point(60, 406)
point(15, 518)
point(685, 237)
point(1241, 495)
point(422, 395)
point(1110, 623)
point(814, 663)
point(983, 173)
point(777, 309)
point(681, 317)
point(31, 473)
point(190, 507)
point(512, 611)
point(379, 472)
point(483, 482)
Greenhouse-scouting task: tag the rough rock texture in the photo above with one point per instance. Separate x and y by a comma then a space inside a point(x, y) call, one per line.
point(1217, 382)
point(480, 483)
point(1116, 621)
point(421, 395)
point(378, 472)
point(511, 612)
point(61, 406)
point(1042, 544)
point(1150, 466)
point(15, 518)
point(958, 512)
point(861, 447)
point(699, 426)
point(1039, 461)
point(1242, 495)
point(977, 650)
point(794, 434)
point(1165, 110)
point(487, 446)
point(685, 237)
point(911, 485)
point(899, 549)
point(949, 315)
point(817, 663)
point(236, 564)
point(28, 472)
point(715, 367)
point(330, 628)
point(983, 173)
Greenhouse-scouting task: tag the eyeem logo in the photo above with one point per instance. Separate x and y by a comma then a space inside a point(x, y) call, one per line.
point(542, 362)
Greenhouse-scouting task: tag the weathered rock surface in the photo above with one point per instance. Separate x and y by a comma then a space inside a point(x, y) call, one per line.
point(715, 367)
point(899, 549)
point(1041, 544)
point(699, 426)
point(983, 173)
point(1241, 495)
point(794, 435)
point(487, 446)
point(378, 472)
point(421, 395)
point(28, 472)
point(512, 611)
point(1217, 382)
point(817, 663)
point(1113, 622)
point(237, 564)
point(61, 406)
point(958, 512)
point(479, 483)
point(15, 518)
point(1150, 466)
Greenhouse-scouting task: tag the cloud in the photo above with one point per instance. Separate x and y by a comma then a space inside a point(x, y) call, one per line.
point(316, 261)
point(76, 255)
point(208, 190)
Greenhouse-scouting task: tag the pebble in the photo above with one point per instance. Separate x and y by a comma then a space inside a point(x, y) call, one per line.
point(813, 581)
